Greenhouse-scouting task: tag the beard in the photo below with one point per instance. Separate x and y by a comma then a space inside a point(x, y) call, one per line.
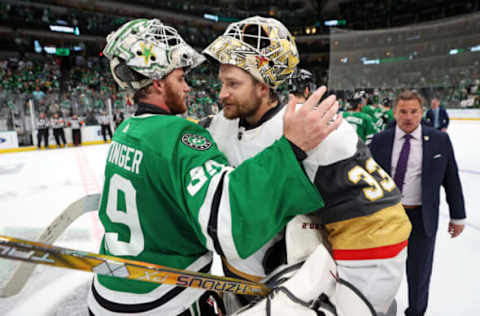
point(245, 109)
point(174, 101)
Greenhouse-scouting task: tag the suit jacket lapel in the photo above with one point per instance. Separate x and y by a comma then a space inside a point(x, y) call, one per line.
point(390, 134)
point(426, 152)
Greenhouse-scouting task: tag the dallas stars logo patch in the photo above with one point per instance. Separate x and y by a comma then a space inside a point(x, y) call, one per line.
point(196, 142)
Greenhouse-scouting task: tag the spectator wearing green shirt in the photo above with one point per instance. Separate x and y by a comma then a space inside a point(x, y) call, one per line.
point(86, 101)
point(118, 101)
point(66, 104)
point(38, 95)
point(98, 100)
point(362, 122)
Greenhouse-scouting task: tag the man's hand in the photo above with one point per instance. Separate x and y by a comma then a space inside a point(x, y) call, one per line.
point(311, 124)
point(455, 229)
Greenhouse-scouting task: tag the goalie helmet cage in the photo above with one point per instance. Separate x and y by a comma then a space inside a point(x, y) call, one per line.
point(439, 58)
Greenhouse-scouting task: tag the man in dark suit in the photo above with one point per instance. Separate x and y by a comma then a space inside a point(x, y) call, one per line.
point(420, 159)
point(437, 116)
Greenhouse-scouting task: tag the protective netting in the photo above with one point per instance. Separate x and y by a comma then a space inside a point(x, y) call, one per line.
point(437, 56)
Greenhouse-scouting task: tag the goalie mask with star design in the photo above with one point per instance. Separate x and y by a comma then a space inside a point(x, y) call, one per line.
point(149, 48)
point(261, 46)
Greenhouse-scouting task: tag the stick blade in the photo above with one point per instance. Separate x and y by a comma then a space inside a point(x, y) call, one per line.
point(19, 277)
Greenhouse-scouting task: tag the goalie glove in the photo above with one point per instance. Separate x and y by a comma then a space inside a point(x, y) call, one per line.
point(312, 288)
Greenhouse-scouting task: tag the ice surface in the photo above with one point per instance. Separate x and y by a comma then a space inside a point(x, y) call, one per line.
point(36, 186)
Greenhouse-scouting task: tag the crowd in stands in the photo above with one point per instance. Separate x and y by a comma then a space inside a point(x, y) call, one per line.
point(50, 90)
point(203, 97)
point(81, 90)
point(454, 85)
point(40, 16)
point(27, 13)
point(372, 112)
point(464, 93)
point(84, 88)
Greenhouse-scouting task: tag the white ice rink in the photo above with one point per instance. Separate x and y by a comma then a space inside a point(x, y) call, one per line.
point(36, 186)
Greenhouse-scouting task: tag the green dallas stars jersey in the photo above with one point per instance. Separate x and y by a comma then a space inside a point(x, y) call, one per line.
point(376, 115)
point(362, 123)
point(170, 198)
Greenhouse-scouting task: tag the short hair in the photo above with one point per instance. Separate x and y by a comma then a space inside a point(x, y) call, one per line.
point(408, 95)
point(141, 94)
point(300, 80)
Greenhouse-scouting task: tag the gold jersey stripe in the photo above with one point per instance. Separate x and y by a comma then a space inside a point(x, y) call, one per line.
point(386, 227)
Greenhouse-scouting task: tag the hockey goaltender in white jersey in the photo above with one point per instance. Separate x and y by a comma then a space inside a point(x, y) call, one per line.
point(366, 225)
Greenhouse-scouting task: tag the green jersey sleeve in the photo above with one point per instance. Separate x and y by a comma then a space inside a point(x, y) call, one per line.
point(170, 195)
point(171, 198)
point(363, 125)
point(236, 211)
point(369, 128)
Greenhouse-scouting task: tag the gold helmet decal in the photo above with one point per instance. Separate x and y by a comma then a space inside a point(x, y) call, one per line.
point(261, 46)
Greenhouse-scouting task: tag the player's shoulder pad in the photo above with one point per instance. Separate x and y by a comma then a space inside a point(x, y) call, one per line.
point(206, 121)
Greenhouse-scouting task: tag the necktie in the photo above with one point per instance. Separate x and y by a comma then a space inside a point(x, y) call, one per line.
point(402, 162)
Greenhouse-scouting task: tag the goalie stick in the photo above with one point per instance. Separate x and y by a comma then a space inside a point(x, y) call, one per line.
point(35, 252)
point(22, 273)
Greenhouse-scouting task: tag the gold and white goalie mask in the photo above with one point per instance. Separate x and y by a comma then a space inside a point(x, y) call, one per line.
point(149, 48)
point(261, 46)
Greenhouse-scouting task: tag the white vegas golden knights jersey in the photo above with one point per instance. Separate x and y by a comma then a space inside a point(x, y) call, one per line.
point(238, 144)
point(359, 196)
